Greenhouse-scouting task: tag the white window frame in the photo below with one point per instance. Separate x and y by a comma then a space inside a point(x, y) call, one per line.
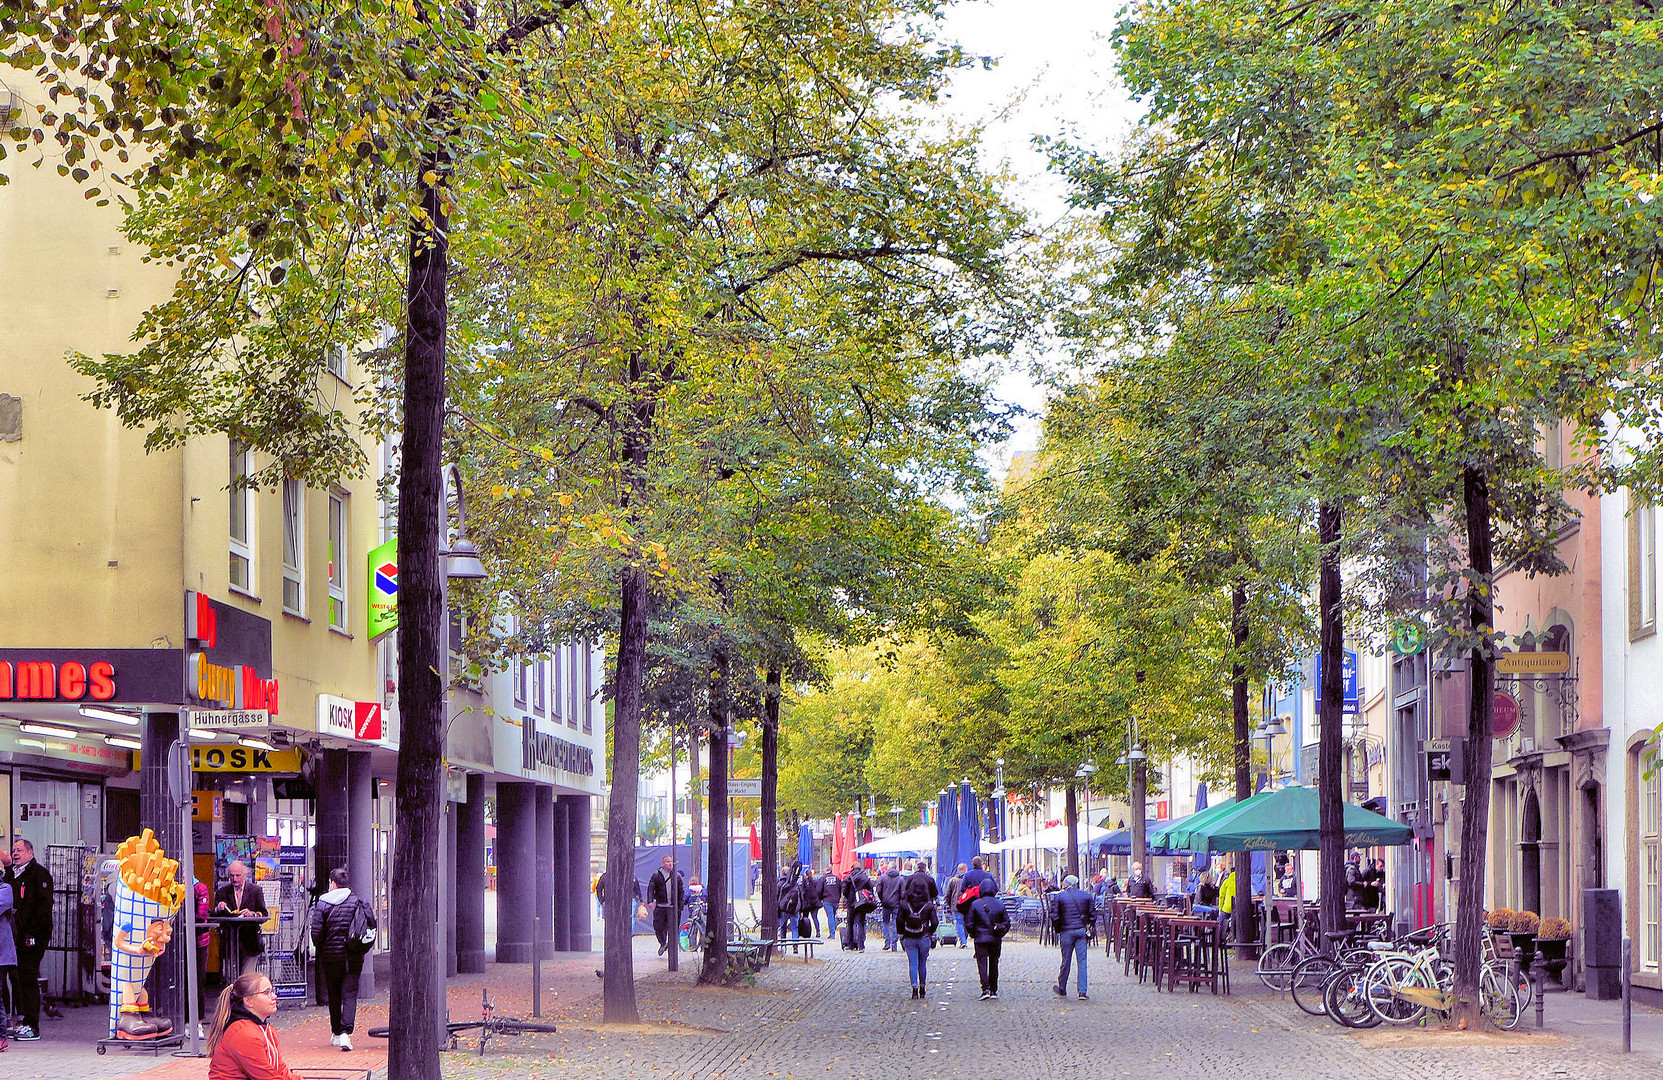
point(241, 538)
point(539, 681)
point(1649, 863)
point(294, 548)
point(518, 670)
point(574, 683)
point(336, 359)
point(338, 539)
point(588, 688)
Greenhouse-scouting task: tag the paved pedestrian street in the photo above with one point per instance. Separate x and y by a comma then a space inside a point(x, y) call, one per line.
point(849, 1015)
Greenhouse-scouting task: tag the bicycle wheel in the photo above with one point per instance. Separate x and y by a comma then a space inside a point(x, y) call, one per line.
point(1380, 987)
point(1276, 965)
point(1344, 1000)
point(1498, 999)
point(515, 1026)
point(1309, 980)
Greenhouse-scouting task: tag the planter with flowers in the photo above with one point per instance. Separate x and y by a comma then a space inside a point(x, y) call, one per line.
point(1553, 938)
point(1522, 928)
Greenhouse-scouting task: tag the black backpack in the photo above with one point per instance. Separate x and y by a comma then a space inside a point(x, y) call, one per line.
point(360, 934)
point(917, 921)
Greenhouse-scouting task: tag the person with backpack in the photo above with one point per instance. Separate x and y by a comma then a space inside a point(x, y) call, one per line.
point(859, 898)
point(988, 922)
point(915, 922)
point(790, 899)
point(830, 889)
point(889, 896)
point(813, 897)
point(343, 930)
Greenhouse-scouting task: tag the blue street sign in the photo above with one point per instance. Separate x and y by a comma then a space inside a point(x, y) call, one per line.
point(1353, 699)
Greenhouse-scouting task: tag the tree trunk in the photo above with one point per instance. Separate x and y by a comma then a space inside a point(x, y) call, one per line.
point(413, 1049)
point(618, 1004)
point(1331, 720)
point(715, 966)
point(1242, 743)
point(1475, 810)
point(770, 810)
point(1071, 814)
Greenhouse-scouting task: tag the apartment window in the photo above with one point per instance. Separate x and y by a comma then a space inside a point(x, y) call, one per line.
point(242, 521)
point(337, 560)
point(1642, 571)
point(1650, 819)
point(538, 679)
point(335, 359)
point(574, 683)
point(294, 547)
point(519, 683)
point(588, 689)
point(555, 702)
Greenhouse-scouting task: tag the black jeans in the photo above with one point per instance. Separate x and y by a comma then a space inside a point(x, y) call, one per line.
point(663, 924)
point(987, 964)
point(340, 984)
point(26, 984)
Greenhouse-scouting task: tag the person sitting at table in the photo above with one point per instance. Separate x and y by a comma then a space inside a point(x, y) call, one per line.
point(1175, 884)
point(1287, 882)
point(242, 897)
point(1206, 896)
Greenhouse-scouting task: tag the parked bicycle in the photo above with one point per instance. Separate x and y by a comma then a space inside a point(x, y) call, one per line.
point(489, 1025)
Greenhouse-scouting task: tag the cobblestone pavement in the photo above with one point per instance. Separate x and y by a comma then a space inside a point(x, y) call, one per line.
point(849, 1015)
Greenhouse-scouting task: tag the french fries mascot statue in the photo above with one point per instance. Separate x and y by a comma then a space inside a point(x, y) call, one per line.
point(146, 898)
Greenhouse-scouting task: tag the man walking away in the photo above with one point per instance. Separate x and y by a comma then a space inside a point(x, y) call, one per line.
point(812, 899)
point(32, 904)
point(889, 896)
point(1072, 922)
point(859, 898)
point(830, 889)
point(954, 884)
point(343, 929)
point(667, 892)
point(988, 923)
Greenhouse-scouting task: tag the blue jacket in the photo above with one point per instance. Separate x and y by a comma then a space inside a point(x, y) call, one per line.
point(989, 884)
point(1074, 910)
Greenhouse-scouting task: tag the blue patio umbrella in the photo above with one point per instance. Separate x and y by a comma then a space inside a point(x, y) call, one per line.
point(970, 826)
point(805, 846)
point(945, 833)
point(1201, 797)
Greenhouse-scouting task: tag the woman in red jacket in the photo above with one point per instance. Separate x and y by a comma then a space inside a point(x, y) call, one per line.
point(241, 1044)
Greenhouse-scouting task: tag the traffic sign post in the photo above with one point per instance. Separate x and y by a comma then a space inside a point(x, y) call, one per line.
point(738, 788)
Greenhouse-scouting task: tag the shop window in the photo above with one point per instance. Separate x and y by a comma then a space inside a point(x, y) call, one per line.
point(1642, 571)
point(242, 521)
point(338, 552)
point(294, 547)
point(1649, 816)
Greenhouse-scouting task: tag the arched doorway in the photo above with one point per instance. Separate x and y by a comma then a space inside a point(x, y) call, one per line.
point(1530, 854)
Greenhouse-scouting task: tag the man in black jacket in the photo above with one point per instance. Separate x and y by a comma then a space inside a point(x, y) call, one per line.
point(813, 895)
point(858, 899)
point(889, 898)
point(340, 959)
point(32, 904)
point(830, 889)
point(1074, 914)
point(667, 893)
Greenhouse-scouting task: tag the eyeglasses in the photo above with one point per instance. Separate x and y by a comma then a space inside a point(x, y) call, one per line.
point(271, 990)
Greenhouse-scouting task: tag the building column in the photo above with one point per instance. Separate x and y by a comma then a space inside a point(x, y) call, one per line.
point(333, 832)
point(360, 842)
point(561, 934)
point(516, 871)
point(159, 812)
point(447, 924)
point(580, 910)
point(470, 878)
point(543, 798)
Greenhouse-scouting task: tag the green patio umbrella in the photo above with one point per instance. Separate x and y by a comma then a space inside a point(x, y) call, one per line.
point(1285, 820)
point(1177, 834)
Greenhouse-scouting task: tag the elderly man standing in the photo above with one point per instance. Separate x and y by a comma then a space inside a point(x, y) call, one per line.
point(32, 903)
point(242, 897)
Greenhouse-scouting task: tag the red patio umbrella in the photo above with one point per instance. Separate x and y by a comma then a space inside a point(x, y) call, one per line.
point(756, 844)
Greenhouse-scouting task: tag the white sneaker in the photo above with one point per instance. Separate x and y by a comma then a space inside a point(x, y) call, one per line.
point(346, 1042)
point(334, 1040)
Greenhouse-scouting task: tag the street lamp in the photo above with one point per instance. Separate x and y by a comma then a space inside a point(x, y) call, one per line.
point(460, 561)
point(896, 810)
point(1085, 773)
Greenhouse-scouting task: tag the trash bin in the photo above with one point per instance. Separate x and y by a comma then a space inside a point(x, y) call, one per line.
point(1602, 943)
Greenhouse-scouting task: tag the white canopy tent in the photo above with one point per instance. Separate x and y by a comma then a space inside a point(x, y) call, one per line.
point(914, 843)
point(1053, 839)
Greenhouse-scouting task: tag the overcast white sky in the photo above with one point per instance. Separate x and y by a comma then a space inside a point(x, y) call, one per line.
point(1055, 70)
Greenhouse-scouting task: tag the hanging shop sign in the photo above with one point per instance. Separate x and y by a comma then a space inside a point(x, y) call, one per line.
point(228, 657)
point(1348, 671)
point(91, 676)
point(383, 585)
point(1533, 663)
point(1504, 715)
point(242, 759)
point(356, 720)
point(1446, 760)
point(1408, 638)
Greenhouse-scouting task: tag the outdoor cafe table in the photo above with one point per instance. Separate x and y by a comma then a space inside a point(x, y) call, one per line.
point(231, 942)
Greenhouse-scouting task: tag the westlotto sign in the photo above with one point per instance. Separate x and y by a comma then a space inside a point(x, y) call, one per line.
point(356, 720)
point(105, 676)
